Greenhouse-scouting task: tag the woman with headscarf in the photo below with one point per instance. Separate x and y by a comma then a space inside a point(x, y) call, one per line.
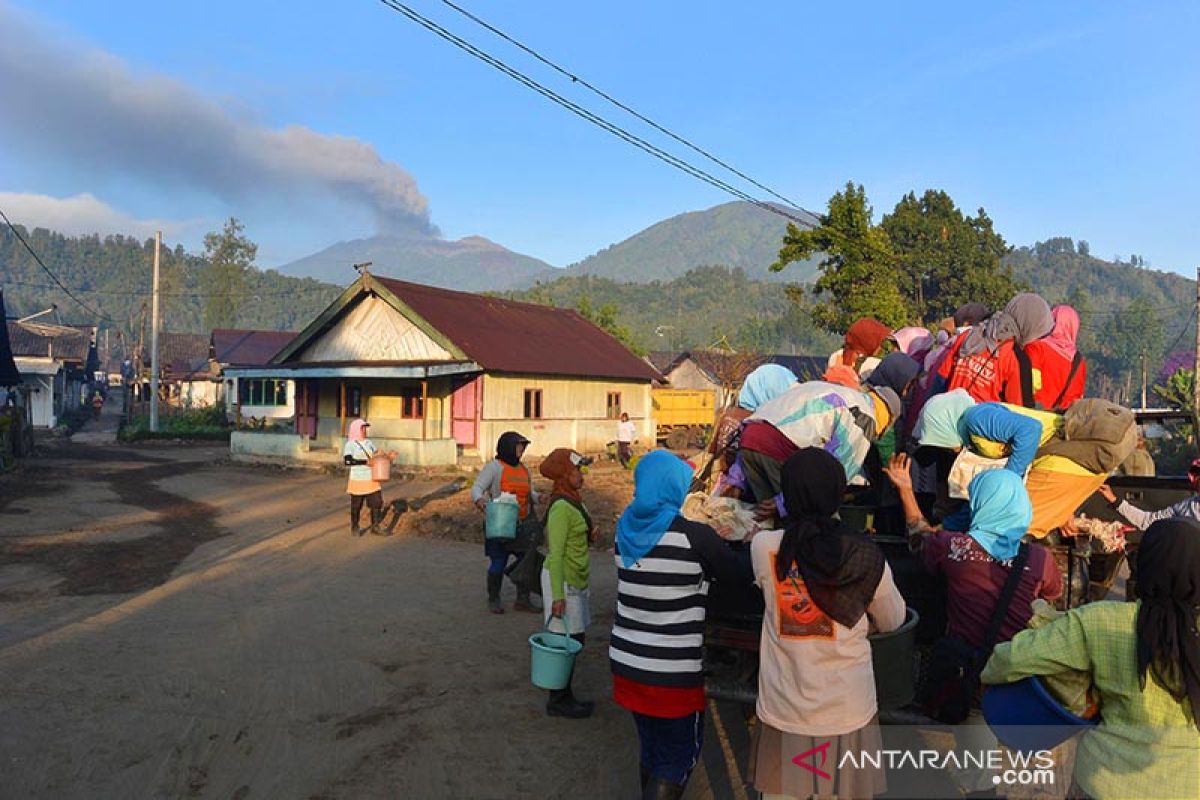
point(860, 348)
point(913, 341)
point(665, 564)
point(1053, 371)
point(357, 454)
point(503, 474)
point(825, 589)
point(982, 361)
point(1144, 659)
point(764, 383)
point(565, 575)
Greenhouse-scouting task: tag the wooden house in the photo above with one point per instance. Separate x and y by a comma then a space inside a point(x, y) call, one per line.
point(440, 374)
point(251, 398)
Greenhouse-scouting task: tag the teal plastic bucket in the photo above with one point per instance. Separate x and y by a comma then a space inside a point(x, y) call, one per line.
point(551, 657)
point(500, 521)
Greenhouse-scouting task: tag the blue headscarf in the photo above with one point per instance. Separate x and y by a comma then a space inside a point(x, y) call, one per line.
point(943, 421)
point(765, 383)
point(1000, 512)
point(660, 485)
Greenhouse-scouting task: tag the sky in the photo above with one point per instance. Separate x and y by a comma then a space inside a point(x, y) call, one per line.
point(315, 122)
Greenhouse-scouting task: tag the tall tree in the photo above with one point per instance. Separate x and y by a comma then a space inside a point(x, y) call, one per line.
point(946, 258)
point(858, 272)
point(230, 256)
point(1124, 337)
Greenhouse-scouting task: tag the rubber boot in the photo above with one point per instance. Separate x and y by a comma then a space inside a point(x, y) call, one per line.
point(526, 603)
point(377, 515)
point(562, 702)
point(354, 529)
point(494, 580)
point(659, 789)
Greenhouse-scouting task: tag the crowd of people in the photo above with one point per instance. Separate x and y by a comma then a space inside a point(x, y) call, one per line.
point(979, 437)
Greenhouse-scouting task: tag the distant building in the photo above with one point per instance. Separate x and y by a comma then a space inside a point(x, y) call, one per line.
point(52, 361)
point(441, 374)
point(256, 398)
point(185, 377)
point(723, 371)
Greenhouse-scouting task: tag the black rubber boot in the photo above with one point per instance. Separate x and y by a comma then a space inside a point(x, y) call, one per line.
point(659, 789)
point(354, 529)
point(563, 703)
point(527, 603)
point(377, 515)
point(494, 580)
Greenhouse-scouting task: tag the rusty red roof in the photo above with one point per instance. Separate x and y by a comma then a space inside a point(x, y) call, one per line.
point(63, 342)
point(232, 347)
point(509, 336)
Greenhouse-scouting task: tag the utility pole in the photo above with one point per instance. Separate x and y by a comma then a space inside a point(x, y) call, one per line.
point(154, 337)
point(1143, 379)
point(1196, 368)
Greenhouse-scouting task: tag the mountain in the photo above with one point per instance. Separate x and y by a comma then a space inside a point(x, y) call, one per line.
point(472, 264)
point(738, 235)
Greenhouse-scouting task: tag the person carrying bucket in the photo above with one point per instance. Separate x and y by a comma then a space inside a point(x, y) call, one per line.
point(1144, 661)
point(569, 529)
point(664, 566)
point(362, 487)
point(506, 474)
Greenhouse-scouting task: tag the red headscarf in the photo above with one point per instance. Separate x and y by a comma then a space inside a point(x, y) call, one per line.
point(864, 338)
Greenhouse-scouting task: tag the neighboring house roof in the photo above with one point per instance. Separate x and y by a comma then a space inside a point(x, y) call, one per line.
point(498, 335)
point(9, 376)
point(181, 356)
point(39, 340)
point(245, 348)
point(717, 363)
point(664, 360)
point(806, 368)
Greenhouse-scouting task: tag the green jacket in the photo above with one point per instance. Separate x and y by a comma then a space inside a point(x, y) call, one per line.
point(567, 558)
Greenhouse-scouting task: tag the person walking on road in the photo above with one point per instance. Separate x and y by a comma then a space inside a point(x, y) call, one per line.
point(506, 473)
point(626, 436)
point(569, 529)
point(361, 487)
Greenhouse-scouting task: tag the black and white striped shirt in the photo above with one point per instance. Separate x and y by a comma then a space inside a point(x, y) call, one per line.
point(658, 633)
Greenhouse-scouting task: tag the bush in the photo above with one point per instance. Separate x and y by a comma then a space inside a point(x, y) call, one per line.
point(206, 423)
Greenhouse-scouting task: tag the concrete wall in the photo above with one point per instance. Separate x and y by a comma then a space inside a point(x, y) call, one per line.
point(573, 412)
point(382, 407)
point(283, 446)
point(293, 448)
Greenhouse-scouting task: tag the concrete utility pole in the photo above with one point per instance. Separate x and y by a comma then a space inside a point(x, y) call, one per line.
point(154, 338)
point(1196, 368)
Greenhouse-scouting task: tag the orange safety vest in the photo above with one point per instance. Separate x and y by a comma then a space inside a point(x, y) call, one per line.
point(516, 480)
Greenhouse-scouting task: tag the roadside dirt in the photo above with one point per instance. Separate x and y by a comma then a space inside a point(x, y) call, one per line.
point(174, 625)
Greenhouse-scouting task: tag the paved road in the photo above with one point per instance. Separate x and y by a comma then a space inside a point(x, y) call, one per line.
point(103, 430)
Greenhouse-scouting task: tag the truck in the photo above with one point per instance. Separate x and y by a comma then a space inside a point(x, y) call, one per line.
point(683, 418)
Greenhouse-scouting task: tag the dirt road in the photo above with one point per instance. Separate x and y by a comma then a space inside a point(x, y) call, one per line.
point(172, 625)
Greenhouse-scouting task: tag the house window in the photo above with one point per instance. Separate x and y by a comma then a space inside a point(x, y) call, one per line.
point(353, 402)
point(412, 405)
point(262, 392)
point(533, 404)
point(613, 408)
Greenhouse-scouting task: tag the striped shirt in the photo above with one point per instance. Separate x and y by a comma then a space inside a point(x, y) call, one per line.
point(658, 633)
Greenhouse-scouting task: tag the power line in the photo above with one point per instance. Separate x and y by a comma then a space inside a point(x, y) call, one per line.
point(591, 117)
point(48, 271)
point(661, 129)
point(1184, 330)
point(201, 295)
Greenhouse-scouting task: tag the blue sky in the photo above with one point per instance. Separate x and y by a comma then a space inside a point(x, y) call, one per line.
point(1059, 118)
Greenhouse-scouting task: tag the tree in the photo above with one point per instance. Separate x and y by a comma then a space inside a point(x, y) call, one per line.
point(1085, 249)
point(858, 273)
point(946, 258)
point(1178, 389)
point(230, 256)
point(605, 318)
point(1124, 337)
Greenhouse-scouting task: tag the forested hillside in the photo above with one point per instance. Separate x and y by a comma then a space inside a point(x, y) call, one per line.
point(112, 275)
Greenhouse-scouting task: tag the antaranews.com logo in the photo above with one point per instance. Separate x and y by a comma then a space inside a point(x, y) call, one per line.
point(1007, 767)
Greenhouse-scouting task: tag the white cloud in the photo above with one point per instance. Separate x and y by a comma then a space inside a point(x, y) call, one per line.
point(82, 214)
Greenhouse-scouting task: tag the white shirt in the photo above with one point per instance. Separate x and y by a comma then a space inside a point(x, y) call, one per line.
point(626, 431)
point(359, 451)
point(815, 675)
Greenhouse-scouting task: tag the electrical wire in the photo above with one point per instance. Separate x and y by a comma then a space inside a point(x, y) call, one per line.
point(1182, 331)
point(50, 272)
point(595, 119)
point(661, 129)
point(201, 295)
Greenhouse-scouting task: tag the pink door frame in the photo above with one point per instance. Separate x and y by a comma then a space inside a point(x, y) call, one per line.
point(466, 406)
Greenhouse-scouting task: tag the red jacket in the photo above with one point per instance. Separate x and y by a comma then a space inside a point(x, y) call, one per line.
point(986, 376)
point(1050, 373)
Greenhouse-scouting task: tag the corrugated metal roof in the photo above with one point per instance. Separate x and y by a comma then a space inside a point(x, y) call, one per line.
point(246, 348)
point(508, 336)
point(63, 342)
point(181, 355)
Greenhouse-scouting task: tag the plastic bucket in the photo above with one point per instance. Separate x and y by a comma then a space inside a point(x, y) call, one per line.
point(893, 660)
point(381, 468)
point(551, 658)
point(1026, 717)
point(500, 520)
